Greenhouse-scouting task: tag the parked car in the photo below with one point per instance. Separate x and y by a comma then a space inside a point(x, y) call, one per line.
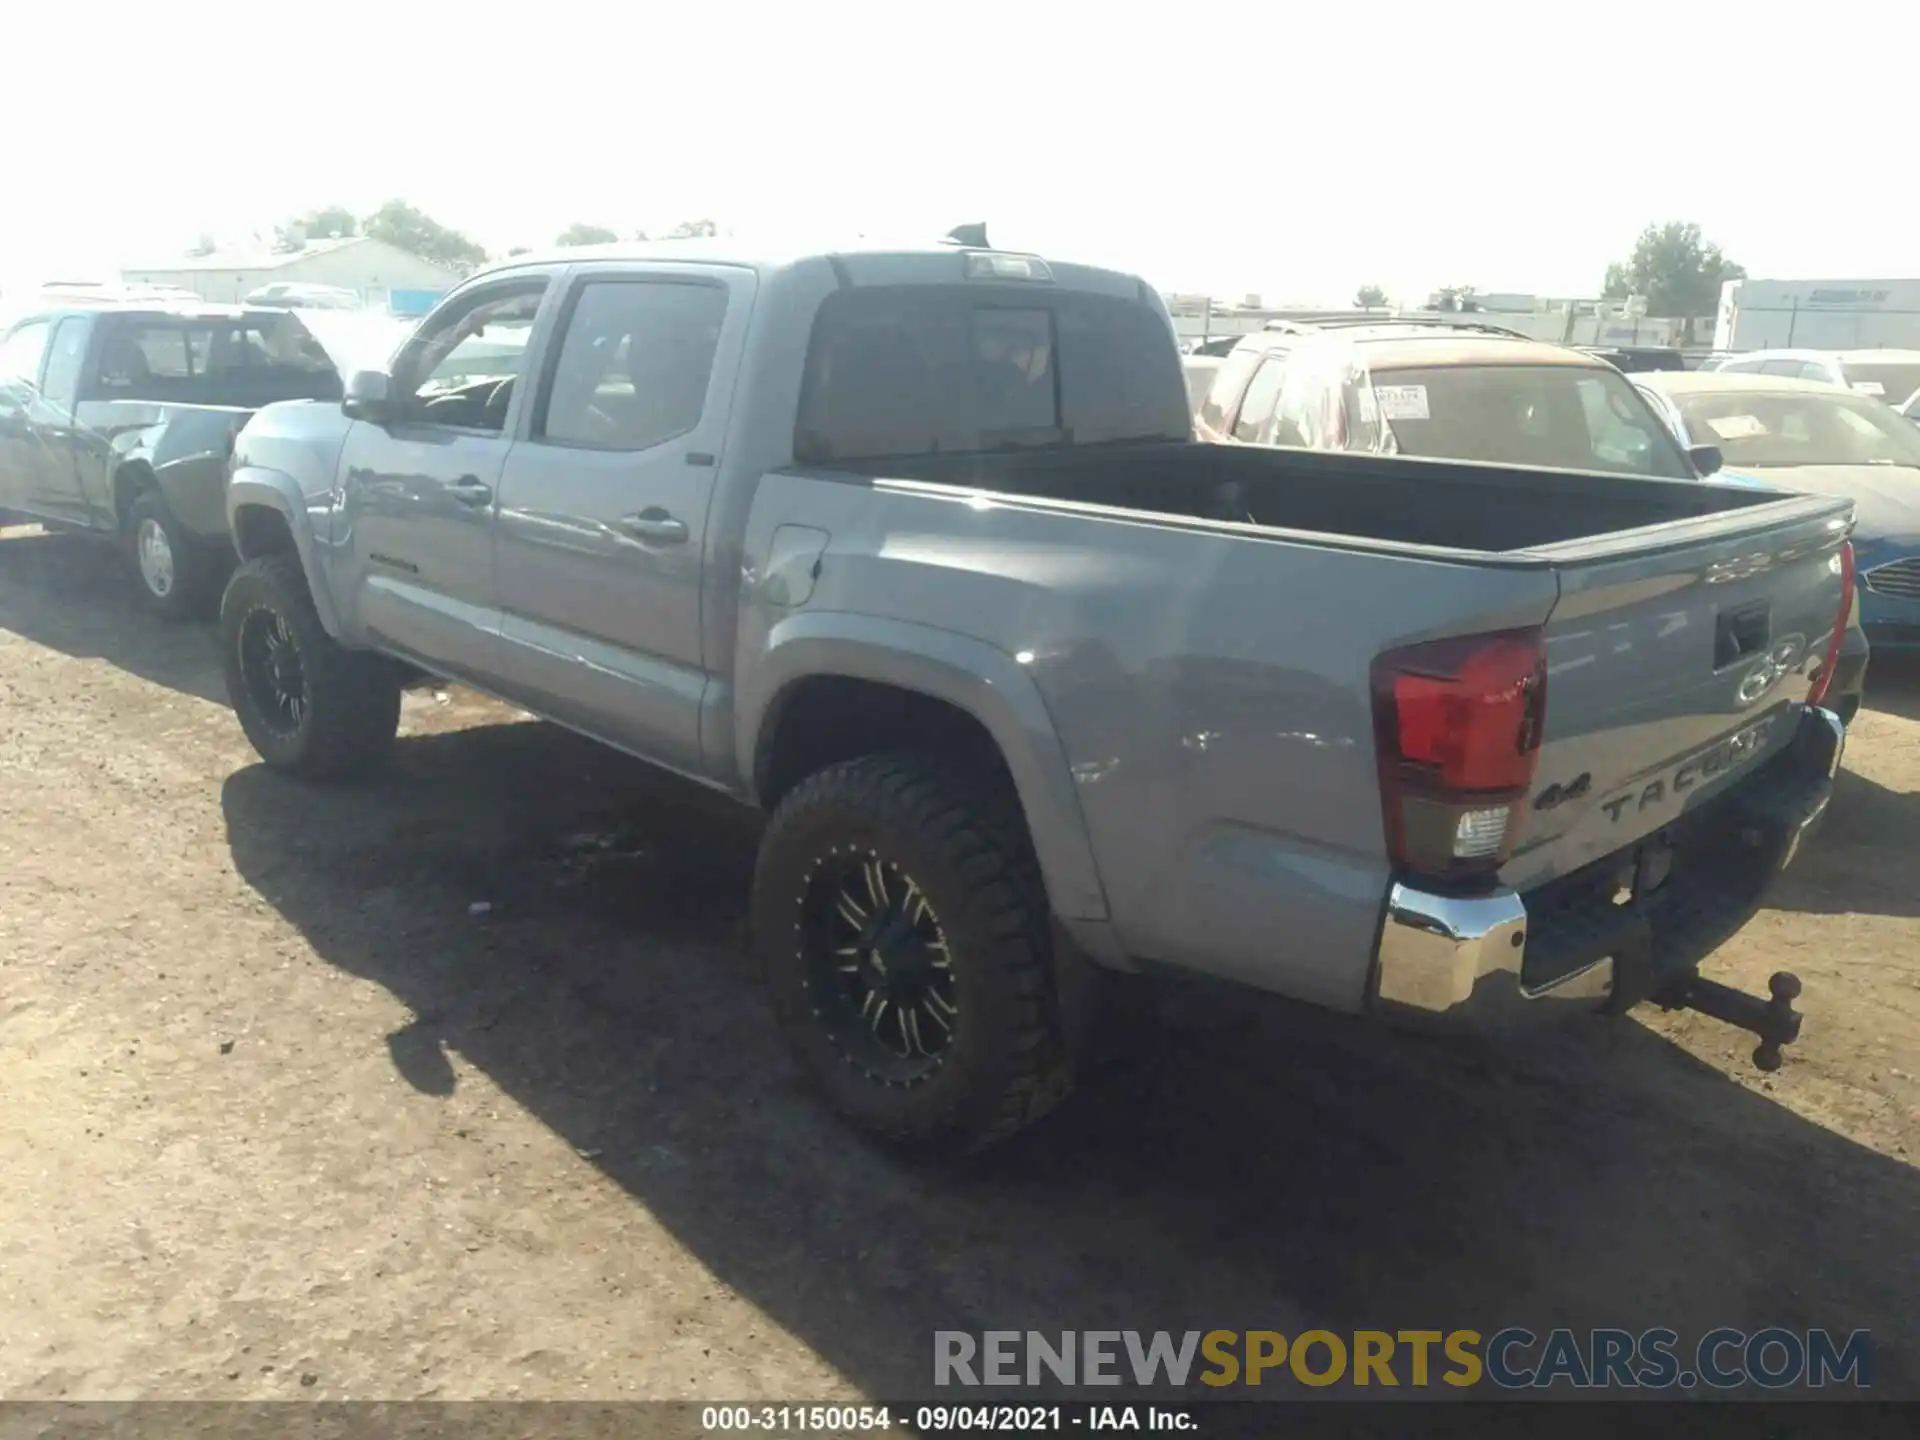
point(118, 420)
point(1810, 437)
point(1479, 393)
point(1634, 359)
point(292, 295)
point(913, 551)
point(1216, 345)
point(1889, 375)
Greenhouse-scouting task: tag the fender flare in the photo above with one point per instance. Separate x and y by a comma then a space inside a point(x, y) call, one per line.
point(973, 676)
point(251, 485)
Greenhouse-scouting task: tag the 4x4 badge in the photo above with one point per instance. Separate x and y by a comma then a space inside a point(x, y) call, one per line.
point(1558, 794)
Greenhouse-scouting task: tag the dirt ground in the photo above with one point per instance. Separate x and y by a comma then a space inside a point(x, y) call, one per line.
point(283, 1115)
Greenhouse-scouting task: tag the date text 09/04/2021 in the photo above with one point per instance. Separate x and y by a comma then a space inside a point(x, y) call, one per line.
point(939, 1419)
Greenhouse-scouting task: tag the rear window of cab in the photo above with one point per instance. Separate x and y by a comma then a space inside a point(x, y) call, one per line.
point(895, 372)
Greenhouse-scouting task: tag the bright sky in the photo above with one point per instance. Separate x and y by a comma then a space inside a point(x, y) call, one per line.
point(1297, 151)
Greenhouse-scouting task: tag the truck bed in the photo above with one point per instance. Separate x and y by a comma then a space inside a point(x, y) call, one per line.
point(1442, 503)
point(1675, 614)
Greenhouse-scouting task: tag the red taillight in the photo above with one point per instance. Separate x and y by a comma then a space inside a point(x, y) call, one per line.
point(1458, 725)
point(1824, 680)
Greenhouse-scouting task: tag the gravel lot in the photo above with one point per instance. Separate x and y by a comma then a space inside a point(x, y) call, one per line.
point(281, 1116)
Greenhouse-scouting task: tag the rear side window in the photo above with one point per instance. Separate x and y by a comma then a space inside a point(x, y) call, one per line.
point(1228, 386)
point(634, 364)
point(901, 371)
point(65, 362)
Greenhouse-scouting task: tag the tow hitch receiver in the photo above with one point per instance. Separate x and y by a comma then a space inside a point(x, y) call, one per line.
point(1775, 1021)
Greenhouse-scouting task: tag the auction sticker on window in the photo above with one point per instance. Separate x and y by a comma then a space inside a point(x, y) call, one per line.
point(1402, 402)
point(1737, 427)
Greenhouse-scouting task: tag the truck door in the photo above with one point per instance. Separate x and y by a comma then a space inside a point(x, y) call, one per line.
point(414, 530)
point(603, 511)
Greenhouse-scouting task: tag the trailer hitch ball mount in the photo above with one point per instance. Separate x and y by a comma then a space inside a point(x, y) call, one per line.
point(1774, 1019)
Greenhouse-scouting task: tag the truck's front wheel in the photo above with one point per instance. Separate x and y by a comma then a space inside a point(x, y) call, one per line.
point(900, 918)
point(309, 705)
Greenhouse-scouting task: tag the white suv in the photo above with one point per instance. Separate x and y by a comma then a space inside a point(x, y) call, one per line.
point(1889, 375)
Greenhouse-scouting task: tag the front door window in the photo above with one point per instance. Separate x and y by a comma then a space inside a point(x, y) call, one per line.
point(465, 369)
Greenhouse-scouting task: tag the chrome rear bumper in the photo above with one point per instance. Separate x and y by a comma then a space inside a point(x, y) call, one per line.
point(1451, 955)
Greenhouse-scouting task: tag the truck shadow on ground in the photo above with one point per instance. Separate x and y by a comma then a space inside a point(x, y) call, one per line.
point(1227, 1163)
point(1868, 850)
point(1893, 685)
point(1865, 858)
point(75, 594)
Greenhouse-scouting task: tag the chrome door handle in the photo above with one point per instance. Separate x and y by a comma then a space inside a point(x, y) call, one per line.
point(655, 525)
point(469, 491)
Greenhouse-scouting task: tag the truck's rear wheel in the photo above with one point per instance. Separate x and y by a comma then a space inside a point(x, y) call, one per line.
point(176, 572)
point(900, 918)
point(308, 705)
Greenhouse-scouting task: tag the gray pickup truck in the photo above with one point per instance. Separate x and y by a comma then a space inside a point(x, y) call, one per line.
point(914, 551)
point(118, 421)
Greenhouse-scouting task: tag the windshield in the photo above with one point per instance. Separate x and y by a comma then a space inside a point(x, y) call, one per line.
point(1799, 427)
point(1896, 382)
point(901, 371)
point(1563, 417)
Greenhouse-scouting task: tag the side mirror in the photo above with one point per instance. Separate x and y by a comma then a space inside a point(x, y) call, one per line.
point(1707, 459)
point(369, 396)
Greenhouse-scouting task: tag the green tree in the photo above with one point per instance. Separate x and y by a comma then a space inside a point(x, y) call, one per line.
point(580, 233)
point(693, 230)
point(1370, 297)
point(518, 250)
point(330, 220)
point(326, 222)
point(203, 246)
point(1676, 269)
point(398, 223)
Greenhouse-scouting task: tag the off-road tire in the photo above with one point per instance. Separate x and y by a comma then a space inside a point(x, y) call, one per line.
point(352, 709)
point(958, 831)
point(197, 567)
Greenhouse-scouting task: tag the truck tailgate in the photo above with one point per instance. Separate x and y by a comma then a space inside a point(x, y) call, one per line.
point(1670, 673)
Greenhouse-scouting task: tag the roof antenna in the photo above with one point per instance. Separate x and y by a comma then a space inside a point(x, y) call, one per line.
point(974, 235)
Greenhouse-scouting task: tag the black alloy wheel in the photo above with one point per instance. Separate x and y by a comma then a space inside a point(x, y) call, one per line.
point(272, 671)
point(310, 706)
point(879, 968)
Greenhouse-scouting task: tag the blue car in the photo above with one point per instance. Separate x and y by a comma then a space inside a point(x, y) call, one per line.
point(1821, 439)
